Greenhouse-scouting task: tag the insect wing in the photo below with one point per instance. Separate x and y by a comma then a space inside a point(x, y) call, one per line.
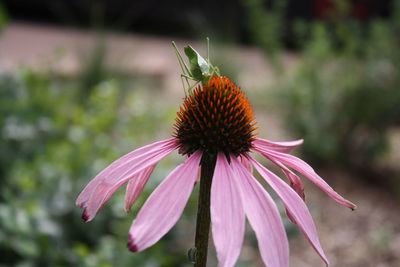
point(198, 65)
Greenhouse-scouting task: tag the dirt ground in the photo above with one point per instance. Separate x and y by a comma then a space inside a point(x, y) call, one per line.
point(368, 236)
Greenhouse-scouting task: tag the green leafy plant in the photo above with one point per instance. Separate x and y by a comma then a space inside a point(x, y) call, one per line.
point(343, 94)
point(54, 138)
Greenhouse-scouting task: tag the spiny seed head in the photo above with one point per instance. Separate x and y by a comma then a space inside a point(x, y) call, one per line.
point(215, 117)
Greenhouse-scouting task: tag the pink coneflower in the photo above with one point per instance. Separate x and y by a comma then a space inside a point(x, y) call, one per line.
point(215, 119)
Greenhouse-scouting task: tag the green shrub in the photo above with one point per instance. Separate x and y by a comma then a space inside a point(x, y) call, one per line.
point(344, 101)
point(343, 95)
point(54, 139)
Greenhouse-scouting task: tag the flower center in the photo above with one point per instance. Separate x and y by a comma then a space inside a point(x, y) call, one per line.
point(216, 117)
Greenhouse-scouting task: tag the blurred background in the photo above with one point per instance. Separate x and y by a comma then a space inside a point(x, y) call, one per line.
point(84, 82)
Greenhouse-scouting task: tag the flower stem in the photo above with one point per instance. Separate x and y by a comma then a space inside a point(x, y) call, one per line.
point(208, 162)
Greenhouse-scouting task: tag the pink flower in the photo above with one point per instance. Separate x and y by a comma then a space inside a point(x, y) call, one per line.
point(216, 119)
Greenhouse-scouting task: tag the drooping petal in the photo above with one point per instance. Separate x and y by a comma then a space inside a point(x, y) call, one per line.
point(277, 146)
point(295, 181)
point(135, 186)
point(246, 163)
point(305, 169)
point(263, 216)
point(101, 188)
point(120, 164)
point(295, 205)
point(227, 214)
point(164, 206)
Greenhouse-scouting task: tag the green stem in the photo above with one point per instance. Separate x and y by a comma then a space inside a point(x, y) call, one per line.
point(208, 162)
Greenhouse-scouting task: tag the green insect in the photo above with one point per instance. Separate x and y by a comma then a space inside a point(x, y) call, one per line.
point(200, 70)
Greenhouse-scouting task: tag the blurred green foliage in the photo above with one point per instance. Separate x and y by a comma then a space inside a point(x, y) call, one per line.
point(344, 101)
point(54, 139)
point(343, 94)
point(3, 17)
point(267, 26)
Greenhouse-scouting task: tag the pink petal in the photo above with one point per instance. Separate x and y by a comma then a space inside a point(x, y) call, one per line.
point(295, 206)
point(296, 184)
point(164, 206)
point(277, 146)
point(135, 186)
point(101, 188)
point(118, 165)
point(246, 163)
point(305, 169)
point(263, 216)
point(227, 214)
point(295, 181)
